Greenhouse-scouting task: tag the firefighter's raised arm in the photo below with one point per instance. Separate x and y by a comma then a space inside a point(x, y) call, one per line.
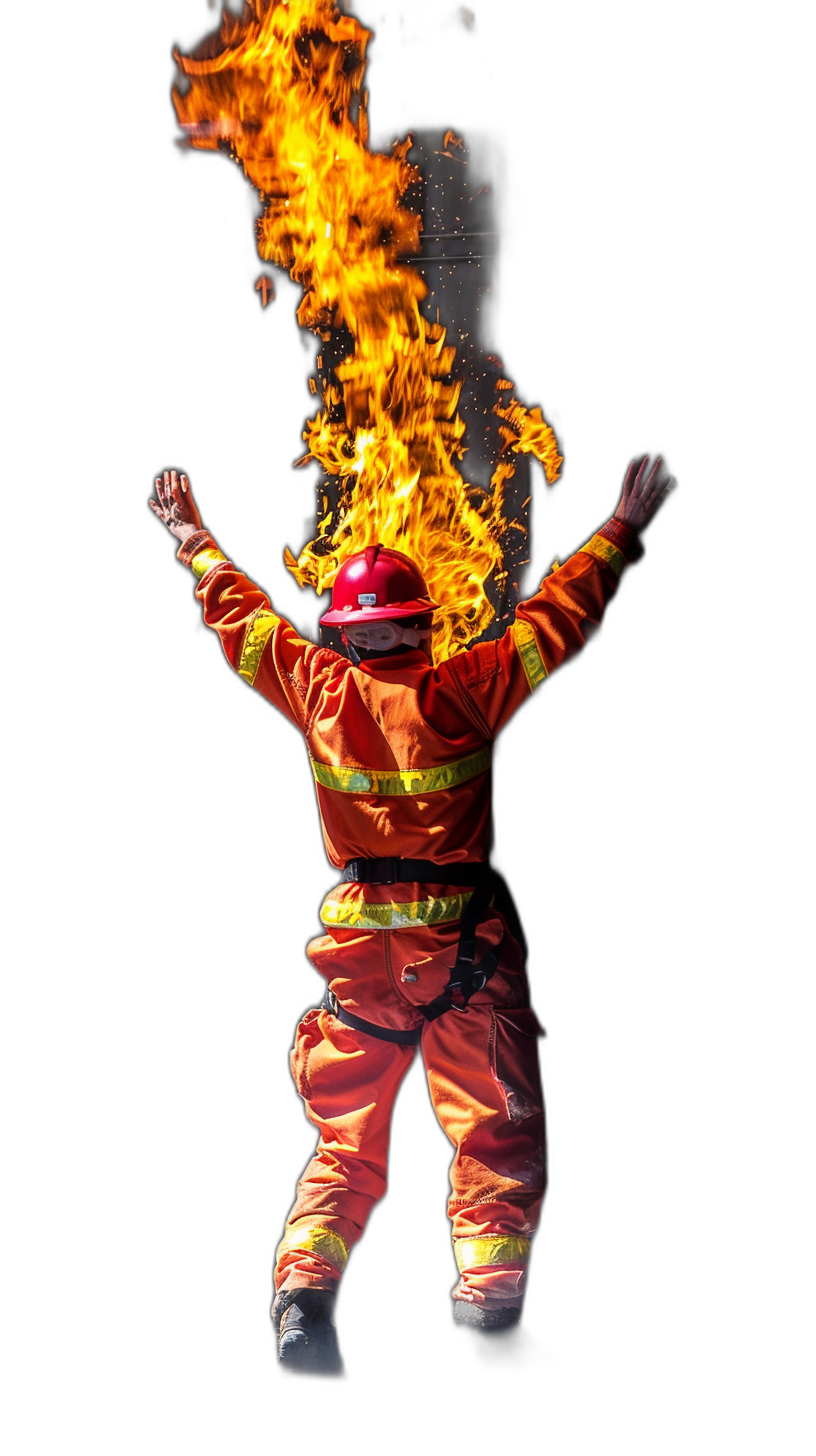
point(263, 648)
point(499, 676)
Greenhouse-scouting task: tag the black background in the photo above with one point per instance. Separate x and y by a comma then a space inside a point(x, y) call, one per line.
point(598, 784)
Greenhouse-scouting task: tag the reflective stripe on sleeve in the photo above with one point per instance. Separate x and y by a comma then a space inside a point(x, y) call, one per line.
point(256, 637)
point(361, 915)
point(605, 551)
point(527, 648)
point(203, 561)
point(493, 1249)
point(401, 780)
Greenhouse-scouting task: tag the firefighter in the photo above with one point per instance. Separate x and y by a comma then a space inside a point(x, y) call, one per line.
point(422, 945)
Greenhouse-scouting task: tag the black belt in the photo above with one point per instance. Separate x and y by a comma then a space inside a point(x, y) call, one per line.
point(397, 871)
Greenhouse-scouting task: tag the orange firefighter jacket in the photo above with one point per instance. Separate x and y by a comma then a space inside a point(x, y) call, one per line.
point(401, 750)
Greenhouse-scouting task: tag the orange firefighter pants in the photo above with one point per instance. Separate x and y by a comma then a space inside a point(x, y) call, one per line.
point(483, 1076)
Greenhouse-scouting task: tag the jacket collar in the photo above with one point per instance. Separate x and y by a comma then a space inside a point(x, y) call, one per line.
point(397, 662)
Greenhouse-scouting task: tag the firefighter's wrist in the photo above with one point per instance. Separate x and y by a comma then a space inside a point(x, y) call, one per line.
point(183, 530)
point(624, 537)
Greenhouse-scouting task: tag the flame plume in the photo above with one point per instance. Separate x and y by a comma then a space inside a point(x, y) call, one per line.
point(280, 88)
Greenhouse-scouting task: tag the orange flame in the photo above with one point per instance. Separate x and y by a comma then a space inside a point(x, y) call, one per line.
point(281, 89)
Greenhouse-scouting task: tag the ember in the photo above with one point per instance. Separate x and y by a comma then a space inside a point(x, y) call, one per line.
point(280, 90)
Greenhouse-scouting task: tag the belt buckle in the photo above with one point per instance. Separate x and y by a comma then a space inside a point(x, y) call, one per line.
point(386, 873)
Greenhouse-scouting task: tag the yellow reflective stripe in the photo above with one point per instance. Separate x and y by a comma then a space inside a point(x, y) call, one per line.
point(394, 916)
point(324, 1242)
point(494, 1249)
point(527, 648)
point(401, 780)
point(256, 637)
point(605, 551)
point(203, 560)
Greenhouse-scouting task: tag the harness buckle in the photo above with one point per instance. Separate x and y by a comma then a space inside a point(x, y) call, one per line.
point(372, 871)
point(458, 997)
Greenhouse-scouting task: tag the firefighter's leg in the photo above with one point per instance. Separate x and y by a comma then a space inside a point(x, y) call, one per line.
point(348, 1080)
point(483, 1075)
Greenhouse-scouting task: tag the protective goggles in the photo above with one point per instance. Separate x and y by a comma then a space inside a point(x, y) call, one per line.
point(382, 636)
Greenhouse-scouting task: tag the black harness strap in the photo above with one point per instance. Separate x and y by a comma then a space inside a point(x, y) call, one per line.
point(465, 979)
point(505, 904)
point(382, 1033)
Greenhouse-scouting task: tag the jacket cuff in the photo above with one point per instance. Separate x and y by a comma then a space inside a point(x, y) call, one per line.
point(201, 553)
point(625, 538)
point(191, 545)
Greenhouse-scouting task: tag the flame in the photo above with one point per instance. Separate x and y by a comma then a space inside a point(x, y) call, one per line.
point(280, 88)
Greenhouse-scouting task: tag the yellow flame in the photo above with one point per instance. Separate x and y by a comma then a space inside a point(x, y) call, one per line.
point(281, 88)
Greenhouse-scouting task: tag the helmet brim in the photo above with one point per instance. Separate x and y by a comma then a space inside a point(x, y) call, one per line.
point(344, 616)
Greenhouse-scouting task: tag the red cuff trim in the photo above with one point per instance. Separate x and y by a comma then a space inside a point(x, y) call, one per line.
point(199, 541)
point(626, 539)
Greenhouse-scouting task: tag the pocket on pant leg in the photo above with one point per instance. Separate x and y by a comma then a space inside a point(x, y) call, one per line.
point(514, 1037)
point(307, 1037)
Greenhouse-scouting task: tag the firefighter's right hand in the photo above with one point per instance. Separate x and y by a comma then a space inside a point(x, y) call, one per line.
point(175, 505)
point(644, 492)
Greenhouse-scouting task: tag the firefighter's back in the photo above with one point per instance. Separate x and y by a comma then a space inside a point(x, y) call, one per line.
point(401, 762)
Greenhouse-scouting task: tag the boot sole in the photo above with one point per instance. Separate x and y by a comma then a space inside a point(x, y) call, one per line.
point(320, 1357)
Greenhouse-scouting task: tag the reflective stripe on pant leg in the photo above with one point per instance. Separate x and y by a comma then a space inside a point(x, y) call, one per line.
point(493, 1268)
point(310, 1253)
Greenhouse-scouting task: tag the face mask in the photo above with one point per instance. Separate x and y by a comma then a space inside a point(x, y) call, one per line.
point(382, 636)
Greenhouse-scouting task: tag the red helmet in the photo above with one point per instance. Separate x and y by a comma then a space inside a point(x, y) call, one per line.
point(377, 585)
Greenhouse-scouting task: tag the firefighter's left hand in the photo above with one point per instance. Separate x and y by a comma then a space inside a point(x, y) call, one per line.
point(176, 507)
point(644, 492)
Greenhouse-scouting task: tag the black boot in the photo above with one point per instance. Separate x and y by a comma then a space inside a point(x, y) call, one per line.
point(307, 1339)
point(493, 1332)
